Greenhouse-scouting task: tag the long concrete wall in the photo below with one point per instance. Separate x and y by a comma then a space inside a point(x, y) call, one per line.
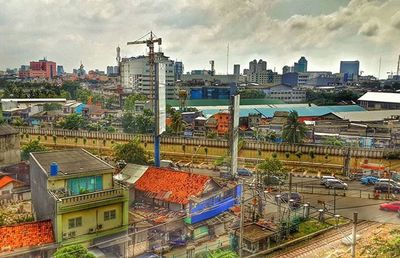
point(222, 143)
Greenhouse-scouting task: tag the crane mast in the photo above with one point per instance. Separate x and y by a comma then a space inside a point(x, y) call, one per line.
point(150, 44)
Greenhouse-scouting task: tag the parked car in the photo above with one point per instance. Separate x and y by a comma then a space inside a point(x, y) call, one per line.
point(367, 180)
point(273, 180)
point(384, 187)
point(391, 206)
point(324, 178)
point(336, 184)
point(296, 197)
point(244, 172)
point(386, 180)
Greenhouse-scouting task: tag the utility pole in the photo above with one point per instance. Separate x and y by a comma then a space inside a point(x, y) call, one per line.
point(354, 239)
point(334, 200)
point(241, 222)
point(289, 203)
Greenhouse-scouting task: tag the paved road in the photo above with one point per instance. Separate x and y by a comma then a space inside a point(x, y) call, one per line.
point(368, 209)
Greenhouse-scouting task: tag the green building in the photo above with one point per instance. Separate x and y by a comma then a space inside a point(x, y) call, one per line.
point(77, 192)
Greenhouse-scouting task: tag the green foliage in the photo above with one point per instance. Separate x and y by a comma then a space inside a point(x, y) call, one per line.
point(83, 95)
point(328, 98)
point(392, 154)
point(252, 94)
point(143, 123)
point(129, 104)
point(104, 142)
point(52, 106)
point(287, 155)
point(54, 139)
point(73, 122)
point(310, 226)
point(294, 131)
point(206, 150)
point(84, 141)
point(274, 155)
point(131, 152)
point(312, 155)
point(177, 123)
point(73, 251)
point(31, 146)
point(271, 166)
point(219, 253)
point(334, 141)
point(212, 135)
point(184, 148)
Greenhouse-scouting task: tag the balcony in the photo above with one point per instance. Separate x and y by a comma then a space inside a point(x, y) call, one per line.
point(88, 200)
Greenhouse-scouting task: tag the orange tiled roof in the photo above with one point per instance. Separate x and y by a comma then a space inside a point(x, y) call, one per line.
point(30, 234)
point(6, 180)
point(179, 185)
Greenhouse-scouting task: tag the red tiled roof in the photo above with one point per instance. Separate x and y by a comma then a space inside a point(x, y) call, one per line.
point(6, 180)
point(179, 185)
point(30, 234)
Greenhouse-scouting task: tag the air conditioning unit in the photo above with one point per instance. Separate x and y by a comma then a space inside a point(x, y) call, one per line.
point(71, 234)
point(92, 230)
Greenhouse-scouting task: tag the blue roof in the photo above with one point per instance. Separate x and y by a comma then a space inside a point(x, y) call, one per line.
point(302, 111)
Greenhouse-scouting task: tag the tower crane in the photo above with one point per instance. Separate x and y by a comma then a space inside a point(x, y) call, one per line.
point(150, 44)
point(153, 39)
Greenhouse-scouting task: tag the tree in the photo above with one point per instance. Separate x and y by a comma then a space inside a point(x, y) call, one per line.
point(31, 146)
point(143, 123)
point(73, 122)
point(184, 148)
point(206, 150)
point(131, 152)
point(177, 123)
point(130, 101)
point(294, 131)
point(252, 94)
point(73, 251)
point(287, 155)
point(269, 167)
point(55, 139)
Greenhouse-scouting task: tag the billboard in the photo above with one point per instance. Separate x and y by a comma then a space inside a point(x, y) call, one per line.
point(234, 111)
point(160, 95)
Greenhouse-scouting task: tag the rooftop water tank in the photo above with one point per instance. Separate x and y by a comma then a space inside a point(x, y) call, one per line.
point(53, 169)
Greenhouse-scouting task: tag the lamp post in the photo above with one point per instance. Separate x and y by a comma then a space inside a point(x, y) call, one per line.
point(337, 216)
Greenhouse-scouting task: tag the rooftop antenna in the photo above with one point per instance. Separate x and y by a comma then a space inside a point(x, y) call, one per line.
point(227, 59)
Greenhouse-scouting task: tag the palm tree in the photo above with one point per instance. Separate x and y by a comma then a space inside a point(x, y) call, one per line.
point(177, 123)
point(294, 131)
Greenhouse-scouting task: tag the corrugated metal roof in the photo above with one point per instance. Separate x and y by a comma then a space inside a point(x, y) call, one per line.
point(367, 116)
point(131, 173)
point(381, 97)
point(302, 111)
point(7, 130)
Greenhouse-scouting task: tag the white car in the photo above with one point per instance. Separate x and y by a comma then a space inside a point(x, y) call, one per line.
point(325, 178)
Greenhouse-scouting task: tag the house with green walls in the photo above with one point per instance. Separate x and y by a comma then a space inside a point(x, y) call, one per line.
point(76, 191)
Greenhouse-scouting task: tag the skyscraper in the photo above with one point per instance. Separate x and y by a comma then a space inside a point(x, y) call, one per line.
point(236, 69)
point(178, 68)
point(261, 66)
point(60, 70)
point(301, 65)
point(350, 70)
point(253, 66)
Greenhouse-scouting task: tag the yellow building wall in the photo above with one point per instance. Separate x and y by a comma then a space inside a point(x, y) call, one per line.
point(56, 184)
point(109, 224)
point(107, 181)
point(91, 218)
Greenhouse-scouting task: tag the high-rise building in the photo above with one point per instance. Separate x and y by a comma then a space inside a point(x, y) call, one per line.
point(110, 70)
point(253, 66)
point(287, 69)
point(261, 66)
point(236, 69)
point(60, 70)
point(135, 74)
point(24, 68)
point(257, 72)
point(301, 65)
point(350, 70)
point(41, 69)
point(179, 69)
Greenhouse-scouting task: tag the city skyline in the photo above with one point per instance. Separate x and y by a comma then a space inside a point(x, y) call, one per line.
point(279, 32)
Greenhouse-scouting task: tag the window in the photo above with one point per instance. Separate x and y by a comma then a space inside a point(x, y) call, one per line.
point(75, 222)
point(82, 185)
point(109, 215)
point(5, 192)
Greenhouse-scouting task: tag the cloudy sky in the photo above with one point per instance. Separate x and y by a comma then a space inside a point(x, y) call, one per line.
point(196, 31)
